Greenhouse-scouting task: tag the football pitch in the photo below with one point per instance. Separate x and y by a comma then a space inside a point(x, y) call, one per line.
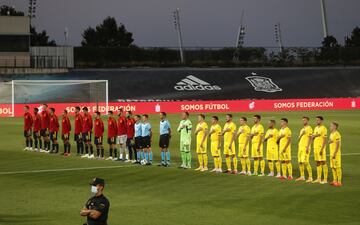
point(45, 189)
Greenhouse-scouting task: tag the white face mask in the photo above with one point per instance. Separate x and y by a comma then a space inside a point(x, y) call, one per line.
point(94, 190)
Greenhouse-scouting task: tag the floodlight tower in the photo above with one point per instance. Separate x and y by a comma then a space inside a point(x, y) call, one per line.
point(324, 18)
point(240, 38)
point(278, 36)
point(32, 9)
point(176, 15)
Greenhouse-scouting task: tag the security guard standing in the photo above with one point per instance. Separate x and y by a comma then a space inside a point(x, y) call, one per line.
point(97, 207)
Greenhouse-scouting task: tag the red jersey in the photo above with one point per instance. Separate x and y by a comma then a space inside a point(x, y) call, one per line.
point(78, 123)
point(130, 122)
point(65, 125)
point(45, 119)
point(112, 128)
point(54, 123)
point(88, 124)
point(98, 127)
point(121, 123)
point(37, 122)
point(28, 121)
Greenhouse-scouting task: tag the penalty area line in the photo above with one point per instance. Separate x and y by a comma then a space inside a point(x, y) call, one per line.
point(64, 169)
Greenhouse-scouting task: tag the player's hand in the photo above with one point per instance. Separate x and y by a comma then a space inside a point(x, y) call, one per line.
point(321, 152)
point(258, 150)
point(334, 157)
point(244, 151)
point(201, 146)
point(284, 151)
point(307, 150)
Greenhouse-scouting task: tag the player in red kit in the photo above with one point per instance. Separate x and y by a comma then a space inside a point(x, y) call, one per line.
point(65, 132)
point(45, 126)
point(130, 131)
point(112, 132)
point(28, 122)
point(99, 132)
point(78, 131)
point(36, 130)
point(122, 135)
point(54, 130)
point(86, 134)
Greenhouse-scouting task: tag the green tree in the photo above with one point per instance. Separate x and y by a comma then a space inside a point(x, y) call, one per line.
point(107, 34)
point(354, 39)
point(40, 39)
point(6, 10)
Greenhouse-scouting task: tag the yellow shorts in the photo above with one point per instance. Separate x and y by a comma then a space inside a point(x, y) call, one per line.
point(272, 154)
point(335, 163)
point(228, 151)
point(319, 157)
point(285, 156)
point(200, 150)
point(215, 151)
point(241, 152)
point(255, 153)
point(303, 157)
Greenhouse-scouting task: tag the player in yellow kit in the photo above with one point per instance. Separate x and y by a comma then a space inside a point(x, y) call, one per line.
point(243, 136)
point(215, 134)
point(304, 150)
point(319, 145)
point(335, 154)
point(284, 140)
point(257, 151)
point(272, 149)
point(229, 145)
point(201, 133)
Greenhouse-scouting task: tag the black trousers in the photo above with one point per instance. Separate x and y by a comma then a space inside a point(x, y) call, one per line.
point(132, 150)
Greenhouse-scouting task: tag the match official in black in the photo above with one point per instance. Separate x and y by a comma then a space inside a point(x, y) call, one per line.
point(97, 207)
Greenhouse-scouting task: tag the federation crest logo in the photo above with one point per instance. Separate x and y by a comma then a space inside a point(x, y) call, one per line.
point(264, 84)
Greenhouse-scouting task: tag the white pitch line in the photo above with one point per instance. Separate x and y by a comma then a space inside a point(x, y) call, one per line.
point(100, 167)
point(65, 169)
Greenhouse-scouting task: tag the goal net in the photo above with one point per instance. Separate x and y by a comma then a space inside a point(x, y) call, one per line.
point(60, 94)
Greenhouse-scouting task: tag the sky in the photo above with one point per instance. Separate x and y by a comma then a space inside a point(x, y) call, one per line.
point(205, 23)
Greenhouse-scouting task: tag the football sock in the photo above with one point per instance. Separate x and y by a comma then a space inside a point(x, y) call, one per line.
point(45, 145)
point(81, 147)
point(91, 149)
point(115, 153)
point(183, 158)
point(65, 147)
point(102, 152)
point(271, 166)
point(228, 163)
point(262, 165)
point(69, 147)
point(243, 164)
point(220, 161)
point(339, 174)
point(188, 159)
point(200, 158)
point(248, 164)
point(77, 147)
point(57, 147)
point(150, 156)
point(86, 149)
point(319, 171)
point(167, 155)
point(98, 151)
point(284, 167)
point(53, 147)
point(111, 152)
point(31, 143)
point(309, 170)
point(142, 155)
point(256, 166)
point(40, 143)
point(138, 156)
point(278, 167)
point(162, 157)
point(302, 170)
point(216, 162)
point(334, 173)
point(48, 145)
point(27, 143)
point(235, 162)
point(205, 157)
point(36, 142)
point(289, 167)
point(146, 154)
point(326, 171)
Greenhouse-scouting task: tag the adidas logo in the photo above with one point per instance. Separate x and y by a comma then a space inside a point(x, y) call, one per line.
point(192, 83)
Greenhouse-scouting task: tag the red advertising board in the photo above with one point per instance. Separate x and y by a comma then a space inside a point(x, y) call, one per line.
point(200, 106)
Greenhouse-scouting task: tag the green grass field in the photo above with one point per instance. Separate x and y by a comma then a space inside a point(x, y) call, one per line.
point(55, 188)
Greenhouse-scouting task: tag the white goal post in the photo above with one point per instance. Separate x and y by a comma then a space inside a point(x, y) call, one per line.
point(94, 93)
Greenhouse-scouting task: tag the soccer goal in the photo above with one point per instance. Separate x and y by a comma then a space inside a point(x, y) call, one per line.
point(93, 94)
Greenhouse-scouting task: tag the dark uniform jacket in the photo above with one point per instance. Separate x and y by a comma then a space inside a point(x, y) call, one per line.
point(101, 204)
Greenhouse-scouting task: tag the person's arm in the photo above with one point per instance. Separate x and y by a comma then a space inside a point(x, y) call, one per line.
point(287, 144)
point(337, 147)
point(308, 145)
point(180, 127)
point(204, 137)
point(323, 146)
point(169, 132)
point(224, 131)
point(94, 214)
point(234, 136)
point(260, 142)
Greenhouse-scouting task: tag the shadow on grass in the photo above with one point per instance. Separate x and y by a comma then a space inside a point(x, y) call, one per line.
point(22, 219)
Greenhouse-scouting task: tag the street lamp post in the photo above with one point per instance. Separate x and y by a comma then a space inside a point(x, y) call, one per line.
point(324, 18)
point(278, 36)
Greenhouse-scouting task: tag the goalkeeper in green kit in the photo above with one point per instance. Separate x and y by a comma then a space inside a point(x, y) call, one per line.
point(185, 140)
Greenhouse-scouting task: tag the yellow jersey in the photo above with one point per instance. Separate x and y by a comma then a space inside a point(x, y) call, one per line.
point(286, 133)
point(259, 129)
point(228, 136)
point(200, 135)
point(322, 131)
point(335, 137)
point(244, 131)
point(271, 141)
point(214, 137)
point(306, 133)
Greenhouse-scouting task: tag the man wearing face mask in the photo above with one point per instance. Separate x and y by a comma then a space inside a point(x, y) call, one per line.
point(97, 207)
